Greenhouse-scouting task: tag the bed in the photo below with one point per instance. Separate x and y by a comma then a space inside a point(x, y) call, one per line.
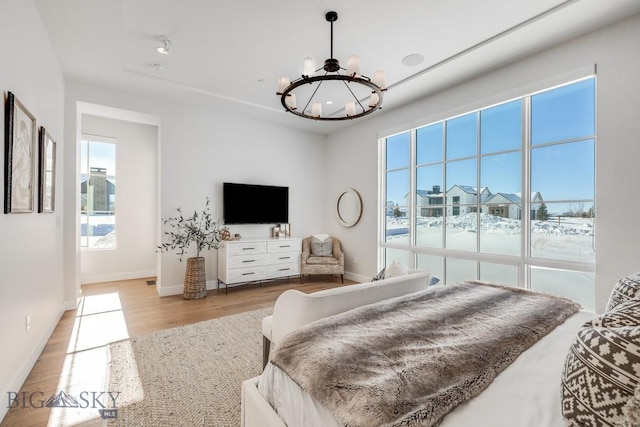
point(527, 392)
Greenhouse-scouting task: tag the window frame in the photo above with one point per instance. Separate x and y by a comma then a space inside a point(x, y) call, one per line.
point(89, 138)
point(524, 262)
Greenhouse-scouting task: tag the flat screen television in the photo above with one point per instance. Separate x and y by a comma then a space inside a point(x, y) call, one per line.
point(254, 204)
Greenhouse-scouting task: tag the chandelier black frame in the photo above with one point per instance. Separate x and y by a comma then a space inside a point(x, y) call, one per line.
point(332, 65)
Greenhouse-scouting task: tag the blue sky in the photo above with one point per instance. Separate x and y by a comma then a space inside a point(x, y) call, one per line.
point(559, 172)
point(103, 155)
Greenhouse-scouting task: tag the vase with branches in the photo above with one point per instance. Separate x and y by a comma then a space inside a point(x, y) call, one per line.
point(199, 229)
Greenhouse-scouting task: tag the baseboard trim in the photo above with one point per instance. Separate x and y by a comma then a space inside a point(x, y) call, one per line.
point(71, 304)
point(357, 277)
point(99, 278)
point(30, 361)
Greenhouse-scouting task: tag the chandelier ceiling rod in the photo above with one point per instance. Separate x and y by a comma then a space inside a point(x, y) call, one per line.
point(328, 18)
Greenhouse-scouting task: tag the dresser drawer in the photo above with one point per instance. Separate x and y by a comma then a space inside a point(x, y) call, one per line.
point(241, 261)
point(283, 246)
point(283, 257)
point(282, 270)
point(247, 248)
point(238, 275)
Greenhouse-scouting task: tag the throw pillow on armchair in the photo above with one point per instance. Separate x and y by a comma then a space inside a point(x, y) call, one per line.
point(321, 247)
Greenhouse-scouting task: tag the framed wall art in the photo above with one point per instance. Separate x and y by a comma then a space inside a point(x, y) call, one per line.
point(20, 143)
point(46, 172)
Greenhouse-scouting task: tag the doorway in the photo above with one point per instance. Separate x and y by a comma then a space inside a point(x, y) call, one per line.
point(117, 243)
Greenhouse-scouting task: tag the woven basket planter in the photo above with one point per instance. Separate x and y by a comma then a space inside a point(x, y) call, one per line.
point(195, 280)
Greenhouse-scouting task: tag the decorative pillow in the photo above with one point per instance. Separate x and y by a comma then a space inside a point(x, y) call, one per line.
point(625, 314)
point(395, 269)
point(624, 290)
point(602, 369)
point(322, 237)
point(433, 280)
point(321, 248)
point(379, 276)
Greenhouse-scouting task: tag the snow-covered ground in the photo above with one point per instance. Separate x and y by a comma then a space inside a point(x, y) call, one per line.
point(563, 238)
point(102, 231)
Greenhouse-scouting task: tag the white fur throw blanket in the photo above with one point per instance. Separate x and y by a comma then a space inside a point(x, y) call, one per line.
point(408, 361)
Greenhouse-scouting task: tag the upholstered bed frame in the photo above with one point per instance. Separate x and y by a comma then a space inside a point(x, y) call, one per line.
point(294, 308)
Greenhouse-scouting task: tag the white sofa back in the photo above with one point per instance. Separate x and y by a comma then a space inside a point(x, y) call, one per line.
point(294, 308)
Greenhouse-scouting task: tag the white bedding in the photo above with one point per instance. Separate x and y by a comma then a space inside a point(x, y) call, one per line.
point(526, 394)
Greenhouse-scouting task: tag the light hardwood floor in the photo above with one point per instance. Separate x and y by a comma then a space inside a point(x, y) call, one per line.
point(74, 356)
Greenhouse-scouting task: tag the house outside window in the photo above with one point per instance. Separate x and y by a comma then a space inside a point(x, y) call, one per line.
point(97, 193)
point(473, 171)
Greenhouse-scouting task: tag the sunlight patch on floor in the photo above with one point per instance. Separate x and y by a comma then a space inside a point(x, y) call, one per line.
point(83, 388)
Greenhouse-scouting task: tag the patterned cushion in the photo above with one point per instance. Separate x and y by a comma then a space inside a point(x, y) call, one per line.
point(433, 280)
point(380, 275)
point(321, 248)
point(322, 260)
point(626, 289)
point(602, 369)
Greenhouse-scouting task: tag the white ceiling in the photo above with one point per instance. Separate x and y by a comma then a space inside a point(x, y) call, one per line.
point(229, 54)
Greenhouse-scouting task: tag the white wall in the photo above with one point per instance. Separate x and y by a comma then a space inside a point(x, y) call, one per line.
point(200, 149)
point(136, 203)
point(615, 51)
point(31, 243)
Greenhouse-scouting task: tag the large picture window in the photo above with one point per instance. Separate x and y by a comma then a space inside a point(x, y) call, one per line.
point(97, 193)
point(505, 193)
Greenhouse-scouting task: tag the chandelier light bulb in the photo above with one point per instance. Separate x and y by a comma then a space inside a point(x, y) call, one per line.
point(353, 65)
point(374, 100)
point(283, 82)
point(379, 79)
point(308, 66)
point(350, 109)
point(316, 109)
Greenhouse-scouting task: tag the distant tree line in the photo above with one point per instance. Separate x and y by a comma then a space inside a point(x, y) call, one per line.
point(542, 214)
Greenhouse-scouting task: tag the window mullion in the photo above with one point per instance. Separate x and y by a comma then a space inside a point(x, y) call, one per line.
point(525, 250)
point(383, 215)
point(413, 190)
point(478, 190)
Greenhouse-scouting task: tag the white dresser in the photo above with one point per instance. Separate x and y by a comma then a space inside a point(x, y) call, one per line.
point(250, 260)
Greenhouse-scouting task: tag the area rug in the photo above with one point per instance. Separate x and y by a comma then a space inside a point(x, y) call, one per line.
point(189, 375)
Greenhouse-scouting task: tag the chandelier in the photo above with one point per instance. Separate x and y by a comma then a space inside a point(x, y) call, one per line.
point(363, 94)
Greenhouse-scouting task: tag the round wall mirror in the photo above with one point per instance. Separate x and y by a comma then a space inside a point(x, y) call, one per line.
point(349, 208)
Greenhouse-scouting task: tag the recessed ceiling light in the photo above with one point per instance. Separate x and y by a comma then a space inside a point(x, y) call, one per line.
point(413, 59)
point(328, 102)
point(158, 67)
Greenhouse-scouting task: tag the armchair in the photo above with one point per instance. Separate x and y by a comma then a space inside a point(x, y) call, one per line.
point(330, 264)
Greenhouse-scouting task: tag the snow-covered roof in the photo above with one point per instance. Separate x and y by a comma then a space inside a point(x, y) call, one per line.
point(426, 193)
point(512, 197)
point(469, 189)
point(534, 195)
